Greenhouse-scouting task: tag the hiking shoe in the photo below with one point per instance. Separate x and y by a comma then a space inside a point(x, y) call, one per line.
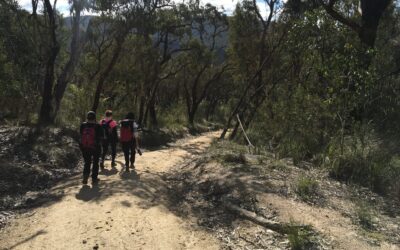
point(84, 181)
point(95, 181)
point(132, 166)
point(139, 152)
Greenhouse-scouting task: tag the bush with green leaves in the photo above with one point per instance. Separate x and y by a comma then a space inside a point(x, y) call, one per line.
point(300, 238)
point(365, 216)
point(307, 188)
point(363, 160)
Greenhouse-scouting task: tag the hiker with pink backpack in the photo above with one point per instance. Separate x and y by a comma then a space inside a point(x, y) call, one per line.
point(129, 140)
point(92, 135)
point(110, 139)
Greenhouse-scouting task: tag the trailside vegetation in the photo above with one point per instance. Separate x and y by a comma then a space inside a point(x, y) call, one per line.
point(317, 80)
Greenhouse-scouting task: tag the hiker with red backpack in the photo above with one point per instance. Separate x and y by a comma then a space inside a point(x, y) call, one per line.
point(129, 140)
point(111, 138)
point(91, 136)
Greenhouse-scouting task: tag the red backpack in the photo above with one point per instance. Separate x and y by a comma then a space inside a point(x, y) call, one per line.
point(88, 140)
point(126, 131)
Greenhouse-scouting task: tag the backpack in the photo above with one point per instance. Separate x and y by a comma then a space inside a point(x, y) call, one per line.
point(106, 126)
point(126, 131)
point(88, 140)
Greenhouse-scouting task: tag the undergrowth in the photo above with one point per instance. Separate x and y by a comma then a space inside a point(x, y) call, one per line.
point(300, 238)
point(363, 161)
point(365, 216)
point(307, 188)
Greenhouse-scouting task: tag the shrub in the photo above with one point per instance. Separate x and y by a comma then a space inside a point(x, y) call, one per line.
point(365, 216)
point(306, 188)
point(368, 165)
point(234, 158)
point(300, 238)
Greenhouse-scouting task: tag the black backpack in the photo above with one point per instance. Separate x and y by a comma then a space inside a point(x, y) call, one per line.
point(106, 126)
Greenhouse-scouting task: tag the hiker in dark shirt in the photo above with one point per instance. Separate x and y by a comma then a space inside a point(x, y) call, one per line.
point(129, 140)
point(111, 138)
point(91, 136)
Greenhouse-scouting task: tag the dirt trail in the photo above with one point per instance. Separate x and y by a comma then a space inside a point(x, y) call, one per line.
point(328, 222)
point(125, 211)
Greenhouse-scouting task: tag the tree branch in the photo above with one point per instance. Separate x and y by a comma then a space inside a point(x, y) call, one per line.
point(329, 8)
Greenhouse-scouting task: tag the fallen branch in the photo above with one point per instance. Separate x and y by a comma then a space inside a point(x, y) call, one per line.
point(244, 132)
point(281, 228)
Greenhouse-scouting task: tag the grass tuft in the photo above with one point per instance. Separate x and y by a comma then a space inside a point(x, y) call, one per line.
point(307, 188)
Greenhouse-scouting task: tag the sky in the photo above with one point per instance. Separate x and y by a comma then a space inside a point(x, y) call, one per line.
point(228, 5)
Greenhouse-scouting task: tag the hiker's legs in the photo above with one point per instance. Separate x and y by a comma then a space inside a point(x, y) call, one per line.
point(104, 152)
point(95, 170)
point(125, 149)
point(87, 158)
point(133, 154)
point(113, 152)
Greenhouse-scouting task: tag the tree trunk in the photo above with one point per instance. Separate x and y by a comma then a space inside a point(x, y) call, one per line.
point(211, 108)
point(69, 68)
point(191, 118)
point(120, 41)
point(141, 110)
point(275, 226)
point(234, 131)
point(192, 109)
point(47, 95)
point(46, 109)
point(153, 115)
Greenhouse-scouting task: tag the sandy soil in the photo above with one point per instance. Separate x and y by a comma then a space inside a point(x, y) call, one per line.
point(125, 211)
point(330, 223)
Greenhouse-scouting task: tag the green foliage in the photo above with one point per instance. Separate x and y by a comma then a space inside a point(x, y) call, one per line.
point(19, 67)
point(300, 238)
point(302, 82)
point(365, 216)
point(228, 152)
point(173, 117)
point(74, 106)
point(234, 158)
point(364, 160)
point(307, 188)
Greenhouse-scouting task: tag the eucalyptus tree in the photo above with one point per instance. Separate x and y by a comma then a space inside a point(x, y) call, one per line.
point(48, 28)
point(20, 62)
point(203, 65)
point(364, 17)
point(249, 27)
point(129, 17)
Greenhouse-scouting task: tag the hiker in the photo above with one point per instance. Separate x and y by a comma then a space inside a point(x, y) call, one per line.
point(91, 136)
point(111, 138)
point(129, 140)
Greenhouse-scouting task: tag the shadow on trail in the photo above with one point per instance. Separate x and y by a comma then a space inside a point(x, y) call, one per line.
point(109, 172)
point(88, 193)
point(181, 192)
point(195, 148)
point(147, 187)
point(131, 175)
point(40, 232)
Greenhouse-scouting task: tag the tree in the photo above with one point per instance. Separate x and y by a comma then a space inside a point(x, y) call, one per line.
point(20, 63)
point(131, 16)
point(254, 79)
point(203, 63)
point(46, 109)
point(75, 48)
point(52, 94)
point(366, 26)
